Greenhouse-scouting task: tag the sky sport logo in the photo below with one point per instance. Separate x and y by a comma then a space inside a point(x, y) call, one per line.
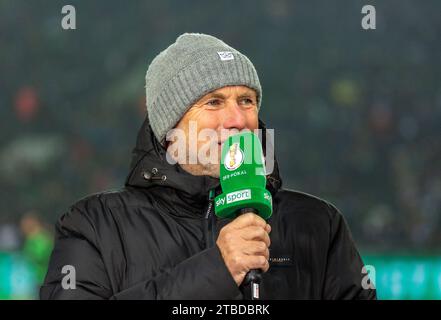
point(267, 197)
point(239, 196)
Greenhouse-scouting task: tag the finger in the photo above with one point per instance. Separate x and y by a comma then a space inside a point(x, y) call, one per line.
point(248, 219)
point(256, 248)
point(268, 228)
point(256, 262)
point(255, 233)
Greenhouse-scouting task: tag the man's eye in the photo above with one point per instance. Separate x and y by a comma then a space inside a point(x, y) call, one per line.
point(213, 103)
point(247, 101)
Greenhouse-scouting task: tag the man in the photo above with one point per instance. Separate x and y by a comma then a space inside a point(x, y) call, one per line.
point(157, 238)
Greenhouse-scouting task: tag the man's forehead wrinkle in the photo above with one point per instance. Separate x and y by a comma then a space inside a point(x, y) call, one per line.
point(246, 93)
point(216, 95)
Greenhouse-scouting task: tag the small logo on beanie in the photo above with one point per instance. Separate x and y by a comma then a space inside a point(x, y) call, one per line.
point(225, 55)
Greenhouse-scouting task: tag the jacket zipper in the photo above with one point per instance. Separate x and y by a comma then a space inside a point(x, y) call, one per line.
point(210, 222)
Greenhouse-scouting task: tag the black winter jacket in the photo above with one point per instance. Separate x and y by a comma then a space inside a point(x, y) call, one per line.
point(155, 239)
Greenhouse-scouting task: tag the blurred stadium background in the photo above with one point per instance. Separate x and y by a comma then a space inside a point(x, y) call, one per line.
point(357, 116)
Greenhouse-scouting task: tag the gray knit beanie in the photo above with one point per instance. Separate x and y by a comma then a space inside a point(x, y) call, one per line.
point(186, 71)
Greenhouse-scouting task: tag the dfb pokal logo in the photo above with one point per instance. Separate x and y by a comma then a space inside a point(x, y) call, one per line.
point(233, 158)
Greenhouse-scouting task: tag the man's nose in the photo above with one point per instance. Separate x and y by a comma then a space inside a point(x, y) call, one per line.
point(234, 117)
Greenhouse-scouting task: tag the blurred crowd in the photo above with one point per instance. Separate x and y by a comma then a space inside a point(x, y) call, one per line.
point(24, 255)
point(356, 113)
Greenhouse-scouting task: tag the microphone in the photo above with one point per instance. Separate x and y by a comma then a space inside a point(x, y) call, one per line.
point(243, 181)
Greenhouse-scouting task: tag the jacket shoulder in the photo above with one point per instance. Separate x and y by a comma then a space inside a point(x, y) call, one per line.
point(126, 196)
point(86, 213)
point(302, 202)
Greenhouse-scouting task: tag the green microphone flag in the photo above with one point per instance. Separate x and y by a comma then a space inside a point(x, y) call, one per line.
point(242, 177)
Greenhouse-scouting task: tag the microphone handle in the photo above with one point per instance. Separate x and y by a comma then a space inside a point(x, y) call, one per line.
point(254, 276)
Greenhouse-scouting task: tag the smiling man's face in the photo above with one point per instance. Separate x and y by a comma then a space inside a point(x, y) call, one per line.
point(225, 111)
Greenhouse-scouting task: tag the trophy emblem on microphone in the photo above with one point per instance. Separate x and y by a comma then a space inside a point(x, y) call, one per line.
point(234, 157)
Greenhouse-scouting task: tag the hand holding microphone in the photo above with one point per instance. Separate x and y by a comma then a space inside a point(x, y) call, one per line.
point(244, 242)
